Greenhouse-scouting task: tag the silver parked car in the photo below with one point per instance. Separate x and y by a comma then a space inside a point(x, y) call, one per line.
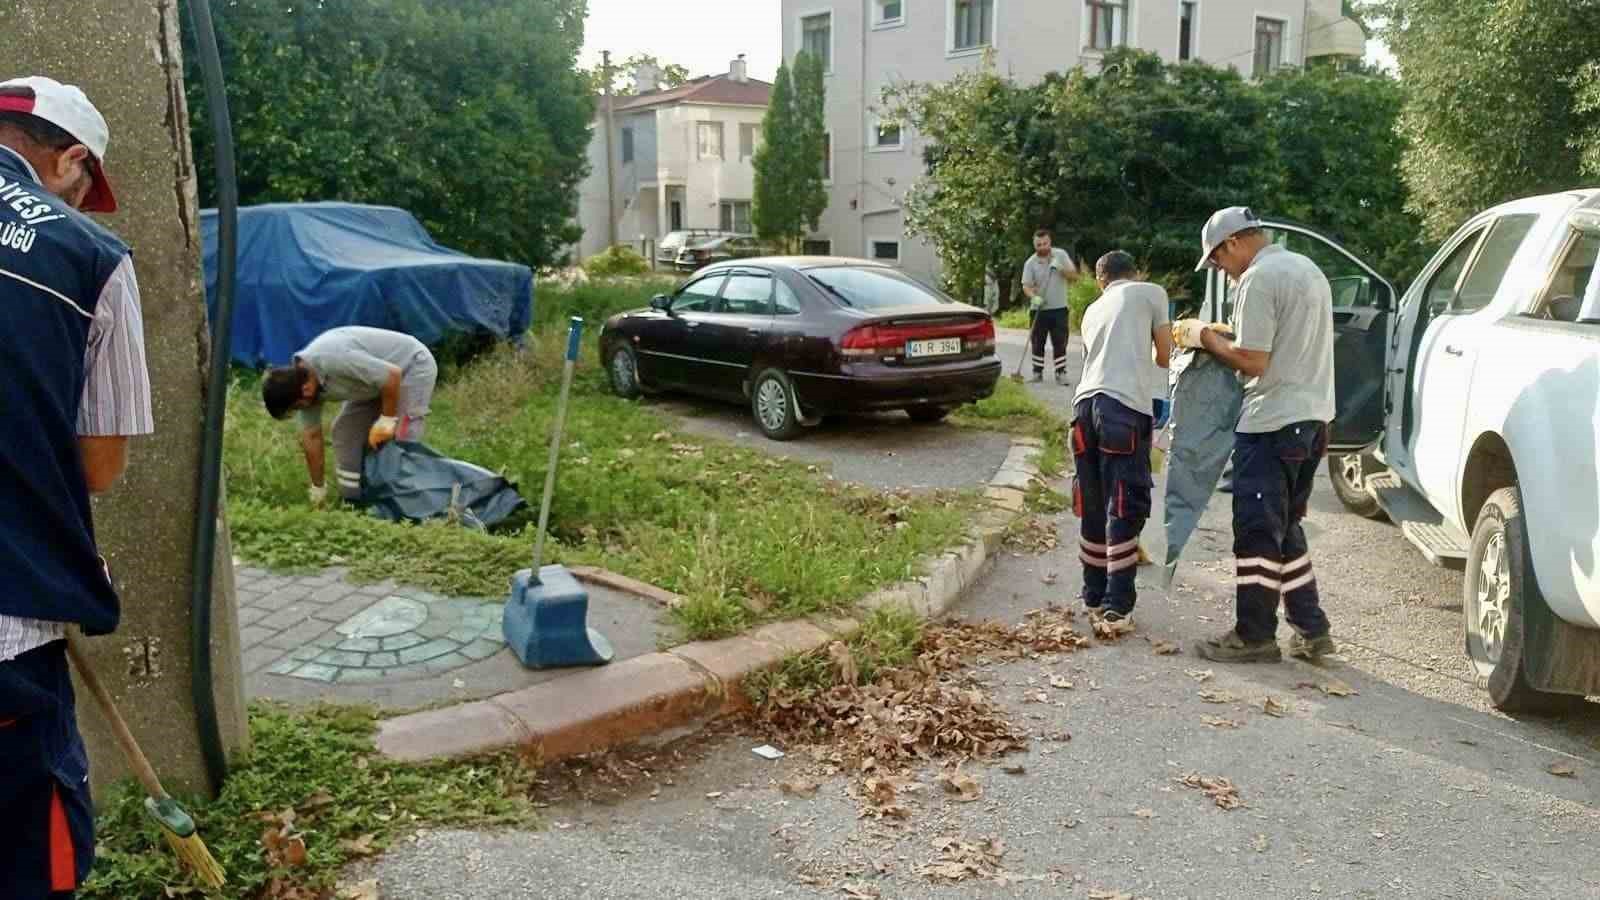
point(673, 242)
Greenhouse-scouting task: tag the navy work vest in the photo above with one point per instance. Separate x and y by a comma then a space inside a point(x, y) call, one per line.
point(54, 262)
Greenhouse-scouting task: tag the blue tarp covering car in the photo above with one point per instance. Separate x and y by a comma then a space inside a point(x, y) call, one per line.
point(307, 267)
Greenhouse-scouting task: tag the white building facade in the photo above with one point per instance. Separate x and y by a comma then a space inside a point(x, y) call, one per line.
point(680, 158)
point(869, 44)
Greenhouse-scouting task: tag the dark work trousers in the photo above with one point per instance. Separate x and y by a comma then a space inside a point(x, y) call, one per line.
point(1050, 325)
point(46, 818)
point(1272, 479)
point(1111, 496)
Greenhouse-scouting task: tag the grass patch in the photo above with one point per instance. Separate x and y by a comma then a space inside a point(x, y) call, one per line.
point(347, 800)
point(741, 535)
point(1013, 409)
point(887, 640)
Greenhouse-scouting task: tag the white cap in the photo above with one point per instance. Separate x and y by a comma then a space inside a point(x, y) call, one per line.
point(68, 108)
point(1224, 224)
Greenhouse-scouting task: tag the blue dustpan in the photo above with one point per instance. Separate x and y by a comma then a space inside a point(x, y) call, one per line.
point(547, 615)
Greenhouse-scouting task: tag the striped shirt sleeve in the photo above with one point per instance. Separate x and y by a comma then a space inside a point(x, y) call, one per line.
point(116, 394)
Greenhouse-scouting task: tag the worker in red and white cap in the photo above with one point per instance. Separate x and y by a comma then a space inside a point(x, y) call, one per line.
point(73, 389)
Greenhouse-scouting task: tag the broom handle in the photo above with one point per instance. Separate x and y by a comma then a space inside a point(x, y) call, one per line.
point(119, 729)
point(574, 335)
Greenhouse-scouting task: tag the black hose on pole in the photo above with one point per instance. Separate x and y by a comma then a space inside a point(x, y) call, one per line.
point(205, 531)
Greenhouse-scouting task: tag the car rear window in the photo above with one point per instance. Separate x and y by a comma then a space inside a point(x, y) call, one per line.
point(873, 288)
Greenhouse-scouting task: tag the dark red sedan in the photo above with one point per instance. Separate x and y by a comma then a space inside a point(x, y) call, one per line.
point(799, 338)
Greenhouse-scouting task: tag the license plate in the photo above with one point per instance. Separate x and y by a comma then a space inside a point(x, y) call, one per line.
point(933, 347)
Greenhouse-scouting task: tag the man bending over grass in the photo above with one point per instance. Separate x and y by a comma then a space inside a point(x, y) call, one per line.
point(385, 379)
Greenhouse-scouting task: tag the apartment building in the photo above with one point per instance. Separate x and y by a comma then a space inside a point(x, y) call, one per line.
point(680, 157)
point(868, 44)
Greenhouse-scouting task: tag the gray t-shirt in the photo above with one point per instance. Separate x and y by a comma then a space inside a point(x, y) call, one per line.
point(352, 363)
point(1048, 278)
point(1119, 345)
point(1285, 307)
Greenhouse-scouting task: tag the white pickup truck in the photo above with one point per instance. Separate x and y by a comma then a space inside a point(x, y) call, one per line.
point(1469, 414)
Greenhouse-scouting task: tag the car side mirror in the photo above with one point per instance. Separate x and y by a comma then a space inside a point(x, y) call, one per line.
point(661, 302)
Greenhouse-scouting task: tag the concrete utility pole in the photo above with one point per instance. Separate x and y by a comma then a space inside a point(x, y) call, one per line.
point(611, 164)
point(125, 55)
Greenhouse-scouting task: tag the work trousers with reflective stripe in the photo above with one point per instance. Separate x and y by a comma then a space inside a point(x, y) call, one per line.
point(1050, 325)
point(355, 420)
point(1272, 478)
point(1111, 496)
point(46, 817)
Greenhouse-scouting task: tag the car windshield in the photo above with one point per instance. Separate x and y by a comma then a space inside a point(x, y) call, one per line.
point(873, 288)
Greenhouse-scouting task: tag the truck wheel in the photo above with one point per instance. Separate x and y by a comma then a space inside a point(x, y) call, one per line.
point(1498, 586)
point(1349, 473)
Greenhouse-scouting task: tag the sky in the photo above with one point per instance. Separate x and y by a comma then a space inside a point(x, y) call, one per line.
point(703, 35)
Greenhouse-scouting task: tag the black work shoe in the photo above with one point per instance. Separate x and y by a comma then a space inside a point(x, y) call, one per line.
point(1229, 647)
point(1311, 649)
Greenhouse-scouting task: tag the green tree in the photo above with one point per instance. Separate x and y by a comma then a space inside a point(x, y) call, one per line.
point(671, 74)
point(352, 101)
point(789, 193)
point(1341, 155)
point(1499, 99)
point(980, 198)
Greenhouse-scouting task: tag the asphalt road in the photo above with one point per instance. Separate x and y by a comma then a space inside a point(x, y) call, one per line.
point(1410, 788)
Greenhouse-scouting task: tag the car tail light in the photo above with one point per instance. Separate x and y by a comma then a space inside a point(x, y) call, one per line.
point(889, 340)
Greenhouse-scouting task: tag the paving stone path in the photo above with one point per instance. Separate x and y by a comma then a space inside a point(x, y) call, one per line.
point(323, 628)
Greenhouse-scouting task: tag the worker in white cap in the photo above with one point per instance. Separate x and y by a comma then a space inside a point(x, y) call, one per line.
point(1282, 348)
point(73, 389)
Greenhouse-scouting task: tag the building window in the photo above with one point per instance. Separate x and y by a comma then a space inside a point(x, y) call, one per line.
point(884, 251)
point(627, 145)
point(747, 140)
point(675, 214)
point(817, 247)
point(736, 216)
point(890, 12)
point(816, 38)
point(1108, 23)
point(710, 139)
point(827, 156)
point(972, 24)
point(1186, 30)
point(1269, 46)
point(886, 136)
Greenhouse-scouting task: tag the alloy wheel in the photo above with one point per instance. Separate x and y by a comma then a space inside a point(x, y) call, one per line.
point(772, 404)
point(1494, 597)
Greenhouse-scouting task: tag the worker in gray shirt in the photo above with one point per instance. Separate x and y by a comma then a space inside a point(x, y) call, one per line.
point(1044, 283)
point(1126, 345)
point(1282, 349)
point(385, 379)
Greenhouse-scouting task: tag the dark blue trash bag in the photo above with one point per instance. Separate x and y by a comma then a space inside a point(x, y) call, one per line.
point(410, 482)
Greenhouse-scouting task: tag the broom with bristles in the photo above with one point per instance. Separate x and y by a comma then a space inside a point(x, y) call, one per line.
point(177, 826)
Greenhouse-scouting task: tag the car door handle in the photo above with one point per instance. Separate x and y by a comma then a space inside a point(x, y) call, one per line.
point(755, 332)
point(1452, 350)
point(692, 324)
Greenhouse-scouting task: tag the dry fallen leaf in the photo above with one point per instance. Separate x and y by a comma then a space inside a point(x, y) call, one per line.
point(1219, 789)
point(1562, 770)
point(1334, 688)
point(1014, 770)
point(959, 860)
point(844, 663)
point(361, 846)
point(964, 786)
point(1098, 894)
point(1217, 697)
point(1218, 722)
point(713, 795)
point(1049, 578)
point(1056, 681)
point(1111, 631)
point(294, 851)
point(1144, 813)
point(1200, 675)
point(859, 891)
point(1272, 707)
point(798, 787)
point(316, 801)
point(360, 890)
point(1165, 648)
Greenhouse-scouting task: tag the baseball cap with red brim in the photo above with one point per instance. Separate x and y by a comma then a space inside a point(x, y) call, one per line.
point(68, 108)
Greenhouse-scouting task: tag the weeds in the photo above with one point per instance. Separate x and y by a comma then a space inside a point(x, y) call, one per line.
point(740, 535)
point(316, 774)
